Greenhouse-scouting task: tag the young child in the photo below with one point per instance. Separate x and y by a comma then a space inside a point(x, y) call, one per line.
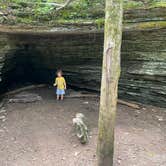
point(61, 85)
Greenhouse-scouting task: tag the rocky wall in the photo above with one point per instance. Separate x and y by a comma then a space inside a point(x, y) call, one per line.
point(35, 57)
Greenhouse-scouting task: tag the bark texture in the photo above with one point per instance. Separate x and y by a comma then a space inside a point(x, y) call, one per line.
point(109, 84)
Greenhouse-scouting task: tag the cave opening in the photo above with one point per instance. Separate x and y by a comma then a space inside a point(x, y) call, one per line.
point(34, 59)
point(21, 72)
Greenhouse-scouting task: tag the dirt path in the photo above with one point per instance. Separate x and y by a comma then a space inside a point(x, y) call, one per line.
point(41, 134)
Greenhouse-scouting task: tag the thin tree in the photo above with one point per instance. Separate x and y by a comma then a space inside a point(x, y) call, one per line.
point(109, 83)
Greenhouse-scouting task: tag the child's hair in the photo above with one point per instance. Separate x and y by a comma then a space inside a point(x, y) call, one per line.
point(59, 71)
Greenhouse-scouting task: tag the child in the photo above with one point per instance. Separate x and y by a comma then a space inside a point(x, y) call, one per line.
point(61, 85)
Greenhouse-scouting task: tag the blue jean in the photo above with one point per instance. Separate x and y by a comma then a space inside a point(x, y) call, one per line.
point(60, 91)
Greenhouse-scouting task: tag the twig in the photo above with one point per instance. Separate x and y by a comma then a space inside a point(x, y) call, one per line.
point(82, 96)
point(132, 105)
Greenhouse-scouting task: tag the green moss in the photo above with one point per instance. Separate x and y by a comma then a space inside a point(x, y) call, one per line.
point(150, 25)
point(158, 4)
point(133, 4)
point(77, 11)
point(99, 22)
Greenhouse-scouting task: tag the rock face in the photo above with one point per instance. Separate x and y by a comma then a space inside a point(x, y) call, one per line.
point(35, 58)
point(144, 66)
point(25, 97)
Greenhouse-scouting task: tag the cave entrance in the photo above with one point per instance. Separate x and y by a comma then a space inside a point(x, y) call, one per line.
point(37, 56)
point(21, 72)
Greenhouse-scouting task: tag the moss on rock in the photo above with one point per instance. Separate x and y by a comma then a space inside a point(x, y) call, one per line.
point(37, 13)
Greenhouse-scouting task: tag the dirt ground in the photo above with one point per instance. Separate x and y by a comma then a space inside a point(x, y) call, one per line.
point(41, 134)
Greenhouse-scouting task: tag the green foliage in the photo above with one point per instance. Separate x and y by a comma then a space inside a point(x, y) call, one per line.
point(30, 11)
point(132, 4)
point(99, 22)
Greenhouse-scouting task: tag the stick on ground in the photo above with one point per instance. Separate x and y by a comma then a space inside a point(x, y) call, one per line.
point(129, 104)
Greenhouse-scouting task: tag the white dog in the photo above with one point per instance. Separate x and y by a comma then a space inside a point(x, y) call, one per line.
point(81, 128)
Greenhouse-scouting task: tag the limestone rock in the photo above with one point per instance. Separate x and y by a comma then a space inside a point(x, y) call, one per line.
point(25, 97)
point(35, 57)
point(2, 117)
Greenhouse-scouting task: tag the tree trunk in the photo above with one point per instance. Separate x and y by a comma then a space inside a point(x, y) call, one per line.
point(109, 84)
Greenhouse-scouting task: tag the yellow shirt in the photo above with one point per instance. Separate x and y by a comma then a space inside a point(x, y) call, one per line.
point(60, 82)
